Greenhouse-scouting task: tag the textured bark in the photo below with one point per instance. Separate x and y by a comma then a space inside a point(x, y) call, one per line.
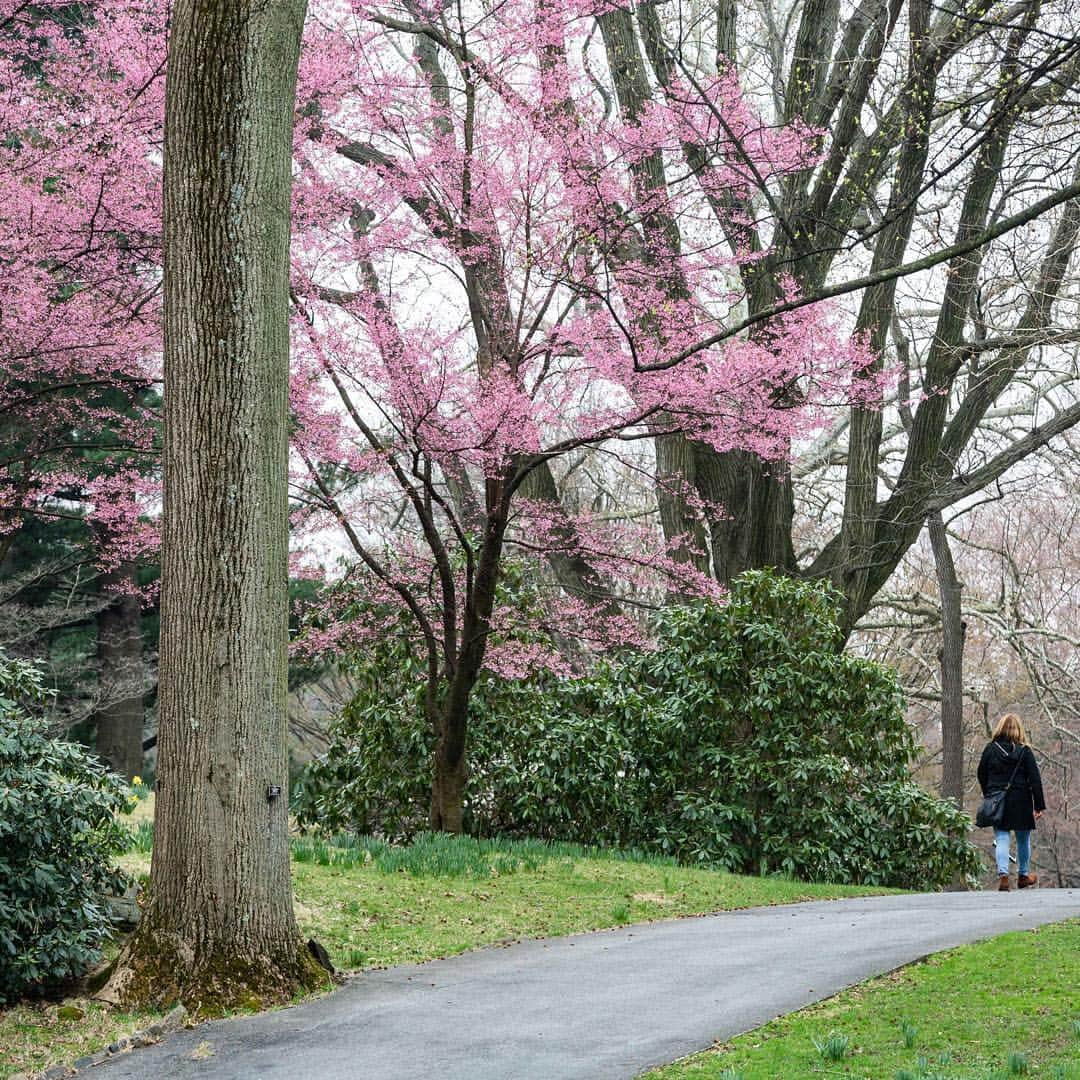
point(813, 48)
point(726, 31)
point(119, 648)
point(674, 474)
point(758, 499)
point(857, 530)
point(448, 790)
point(658, 240)
point(952, 664)
point(219, 927)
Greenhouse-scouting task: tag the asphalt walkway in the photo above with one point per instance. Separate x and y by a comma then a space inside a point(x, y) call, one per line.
point(604, 1005)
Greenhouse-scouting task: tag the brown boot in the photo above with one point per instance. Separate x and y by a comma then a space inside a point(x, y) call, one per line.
point(1003, 883)
point(1025, 881)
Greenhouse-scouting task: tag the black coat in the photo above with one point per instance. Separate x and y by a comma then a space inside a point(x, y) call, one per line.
point(1026, 794)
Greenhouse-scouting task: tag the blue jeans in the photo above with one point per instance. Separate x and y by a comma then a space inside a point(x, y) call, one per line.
point(1023, 850)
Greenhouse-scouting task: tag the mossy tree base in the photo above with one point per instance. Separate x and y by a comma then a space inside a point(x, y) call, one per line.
point(157, 969)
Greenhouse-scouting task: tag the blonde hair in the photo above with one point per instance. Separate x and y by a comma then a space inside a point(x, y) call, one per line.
point(1011, 727)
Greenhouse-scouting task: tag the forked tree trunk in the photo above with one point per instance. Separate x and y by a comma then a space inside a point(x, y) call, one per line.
point(952, 664)
point(219, 926)
point(119, 647)
point(451, 716)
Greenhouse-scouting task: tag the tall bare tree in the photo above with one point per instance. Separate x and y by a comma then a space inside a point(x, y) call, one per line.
point(948, 140)
point(951, 656)
point(1016, 613)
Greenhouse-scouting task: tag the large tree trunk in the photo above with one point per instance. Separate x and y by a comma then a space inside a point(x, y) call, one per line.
point(119, 649)
point(952, 664)
point(753, 528)
point(219, 926)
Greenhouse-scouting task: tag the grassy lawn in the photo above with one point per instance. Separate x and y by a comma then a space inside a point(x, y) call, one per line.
point(376, 907)
point(1002, 1008)
point(372, 905)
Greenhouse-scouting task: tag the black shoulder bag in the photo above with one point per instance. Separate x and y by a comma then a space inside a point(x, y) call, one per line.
point(992, 811)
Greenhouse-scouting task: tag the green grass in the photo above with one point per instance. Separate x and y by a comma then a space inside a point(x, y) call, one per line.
point(34, 1036)
point(372, 905)
point(442, 896)
point(1002, 1008)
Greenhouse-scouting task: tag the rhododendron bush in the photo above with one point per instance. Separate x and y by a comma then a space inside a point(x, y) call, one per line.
point(743, 741)
point(492, 283)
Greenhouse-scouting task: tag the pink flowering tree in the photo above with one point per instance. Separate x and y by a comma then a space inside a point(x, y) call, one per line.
point(495, 278)
point(80, 111)
point(490, 287)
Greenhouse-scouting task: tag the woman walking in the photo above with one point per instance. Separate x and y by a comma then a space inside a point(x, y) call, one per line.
point(1006, 756)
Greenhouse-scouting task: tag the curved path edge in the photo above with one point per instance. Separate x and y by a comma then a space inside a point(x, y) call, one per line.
point(599, 1006)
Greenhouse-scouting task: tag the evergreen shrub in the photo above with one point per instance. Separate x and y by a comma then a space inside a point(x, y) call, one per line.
point(59, 831)
point(747, 739)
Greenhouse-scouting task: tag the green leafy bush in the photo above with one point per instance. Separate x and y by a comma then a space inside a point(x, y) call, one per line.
point(58, 833)
point(746, 740)
point(378, 781)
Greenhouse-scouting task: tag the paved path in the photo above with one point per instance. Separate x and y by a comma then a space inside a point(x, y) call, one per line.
point(595, 1006)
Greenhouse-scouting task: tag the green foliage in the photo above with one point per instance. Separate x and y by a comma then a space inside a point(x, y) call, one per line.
point(834, 1048)
point(340, 792)
point(745, 740)
point(441, 855)
point(58, 834)
point(427, 854)
point(1017, 1064)
point(140, 837)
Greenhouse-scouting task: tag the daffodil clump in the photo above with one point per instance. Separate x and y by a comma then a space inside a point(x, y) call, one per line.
point(136, 793)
